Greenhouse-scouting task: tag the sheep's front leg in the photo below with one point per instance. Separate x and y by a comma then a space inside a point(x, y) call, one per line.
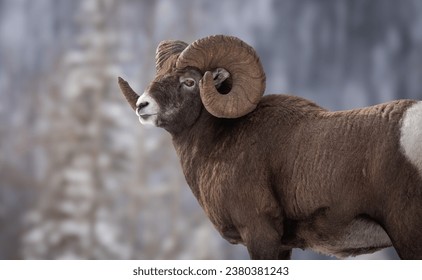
point(256, 214)
point(264, 242)
point(270, 254)
point(263, 248)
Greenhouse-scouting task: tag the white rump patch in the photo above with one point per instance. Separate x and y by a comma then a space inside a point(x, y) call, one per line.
point(411, 135)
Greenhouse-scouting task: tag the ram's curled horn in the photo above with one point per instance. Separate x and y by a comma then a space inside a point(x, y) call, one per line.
point(130, 95)
point(240, 60)
point(167, 53)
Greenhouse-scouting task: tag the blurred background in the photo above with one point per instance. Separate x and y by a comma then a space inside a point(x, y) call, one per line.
point(81, 179)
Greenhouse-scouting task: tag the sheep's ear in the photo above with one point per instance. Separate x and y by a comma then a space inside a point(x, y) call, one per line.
point(220, 75)
point(128, 92)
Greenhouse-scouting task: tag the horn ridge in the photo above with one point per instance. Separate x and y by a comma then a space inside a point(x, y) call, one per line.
point(167, 53)
point(244, 66)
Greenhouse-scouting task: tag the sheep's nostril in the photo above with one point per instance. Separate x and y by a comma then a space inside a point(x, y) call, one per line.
point(143, 105)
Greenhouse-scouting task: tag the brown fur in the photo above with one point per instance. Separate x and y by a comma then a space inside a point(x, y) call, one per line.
point(291, 174)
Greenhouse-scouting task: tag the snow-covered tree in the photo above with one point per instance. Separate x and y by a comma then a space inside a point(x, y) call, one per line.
point(76, 215)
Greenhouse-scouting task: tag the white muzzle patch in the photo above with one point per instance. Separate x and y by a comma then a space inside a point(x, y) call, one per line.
point(147, 109)
point(411, 135)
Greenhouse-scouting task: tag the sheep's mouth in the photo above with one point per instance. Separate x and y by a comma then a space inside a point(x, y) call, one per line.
point(146, 116)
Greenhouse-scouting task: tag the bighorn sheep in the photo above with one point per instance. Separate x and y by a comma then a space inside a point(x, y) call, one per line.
point(279, 172)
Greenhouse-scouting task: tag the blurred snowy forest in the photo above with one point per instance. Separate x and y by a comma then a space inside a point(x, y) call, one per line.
point(81, 179)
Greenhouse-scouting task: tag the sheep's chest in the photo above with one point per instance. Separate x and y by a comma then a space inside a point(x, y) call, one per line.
point(220, 218)
point(213, 196)
point(215, 184)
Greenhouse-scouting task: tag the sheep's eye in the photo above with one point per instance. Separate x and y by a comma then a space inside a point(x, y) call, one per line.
point(189, 82)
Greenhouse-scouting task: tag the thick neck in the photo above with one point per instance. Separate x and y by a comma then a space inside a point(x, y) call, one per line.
point(194, 145)
point(195, 134)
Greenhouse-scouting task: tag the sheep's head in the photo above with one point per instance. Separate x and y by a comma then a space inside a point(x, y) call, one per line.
point(221, 73)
